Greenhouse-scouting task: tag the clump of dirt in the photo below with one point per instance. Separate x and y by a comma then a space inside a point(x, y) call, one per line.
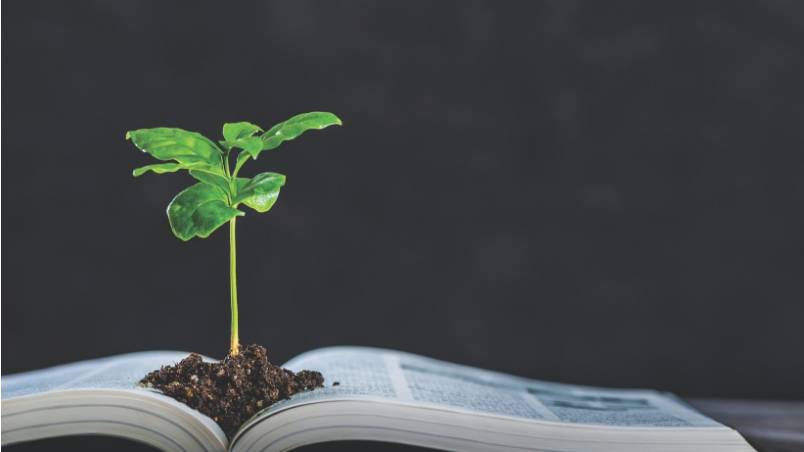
point(233, 390)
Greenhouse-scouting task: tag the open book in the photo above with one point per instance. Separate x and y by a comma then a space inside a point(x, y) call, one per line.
point(382, 395)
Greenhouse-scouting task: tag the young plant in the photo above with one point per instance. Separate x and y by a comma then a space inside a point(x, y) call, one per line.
point(202, 208)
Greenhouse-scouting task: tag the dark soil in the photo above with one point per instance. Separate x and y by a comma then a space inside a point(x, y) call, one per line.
point(233, 390)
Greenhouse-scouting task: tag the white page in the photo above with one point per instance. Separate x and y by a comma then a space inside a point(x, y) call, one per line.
point(34, 407)
point(117, 372)
point(407, 378)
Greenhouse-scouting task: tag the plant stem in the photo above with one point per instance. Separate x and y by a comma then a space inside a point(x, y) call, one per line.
point(238, 164)
point(234, 348)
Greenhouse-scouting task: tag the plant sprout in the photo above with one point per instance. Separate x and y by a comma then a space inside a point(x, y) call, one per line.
point(202, 208)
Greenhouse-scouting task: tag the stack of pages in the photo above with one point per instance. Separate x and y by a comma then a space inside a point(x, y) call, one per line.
point(381, 395)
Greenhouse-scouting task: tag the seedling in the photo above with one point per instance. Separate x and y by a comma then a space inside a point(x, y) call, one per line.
point(202, 208)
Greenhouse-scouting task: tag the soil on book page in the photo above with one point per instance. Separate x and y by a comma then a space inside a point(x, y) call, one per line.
point(231, 391)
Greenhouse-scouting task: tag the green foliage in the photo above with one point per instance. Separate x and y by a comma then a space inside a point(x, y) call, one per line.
point(204, 207)
point(158, 168)
point(288, 130)
point(259, 192)
point(241, 135)
point(190, 150)
point(199, 210)
point(238, 130)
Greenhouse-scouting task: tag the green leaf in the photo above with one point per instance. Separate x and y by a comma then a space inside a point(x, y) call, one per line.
point(262, 202)
point(187, 148)
point(289, 130)
point(162, 168)
point(211, 179)
point(240, 135)
point(297, 125)
point(234, 131)
point(252, 145)
point(260, 192)
point(198, 211)
point(158, 168)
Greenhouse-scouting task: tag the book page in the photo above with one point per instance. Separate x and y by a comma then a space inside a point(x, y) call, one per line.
point(102, 396)
point(402, 377)
point(117, 372)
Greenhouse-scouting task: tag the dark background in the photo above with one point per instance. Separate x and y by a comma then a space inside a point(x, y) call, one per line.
point(607, 193)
